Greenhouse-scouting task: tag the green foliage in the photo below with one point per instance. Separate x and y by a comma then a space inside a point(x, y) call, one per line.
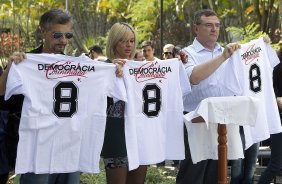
point(115, 8)
point(143, 16)
point(22, 16)
point(101, 41)
point(248, 33)
point(93, 178)
point(245, 34)
point(155, 175)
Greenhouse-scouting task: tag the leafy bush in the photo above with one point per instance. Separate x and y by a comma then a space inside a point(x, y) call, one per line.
point(248, 33)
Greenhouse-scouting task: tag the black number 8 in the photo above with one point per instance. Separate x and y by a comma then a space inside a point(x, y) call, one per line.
point(155, 100)
point(255, 78)
point(65, 99)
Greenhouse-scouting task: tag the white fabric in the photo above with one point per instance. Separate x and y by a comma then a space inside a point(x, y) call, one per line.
point(233, 111)
point(155, 59)
point(154, 138)
point(53, 140)
point(258, 59)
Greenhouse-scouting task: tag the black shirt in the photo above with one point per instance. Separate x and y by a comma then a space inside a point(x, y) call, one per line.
point(277, 83)
point(14, 108)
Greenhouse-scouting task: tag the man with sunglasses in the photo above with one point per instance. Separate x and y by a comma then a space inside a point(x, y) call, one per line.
point(55, 27)
point(168, 51)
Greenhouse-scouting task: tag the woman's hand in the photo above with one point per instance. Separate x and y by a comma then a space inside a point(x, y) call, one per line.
point(119, 63)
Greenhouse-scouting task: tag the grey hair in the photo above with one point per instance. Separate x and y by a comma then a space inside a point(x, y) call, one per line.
point(54, 16)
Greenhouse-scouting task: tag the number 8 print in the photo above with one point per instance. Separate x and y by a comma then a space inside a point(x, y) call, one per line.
point(255, 78)
point(65, 99)
point(151, 98)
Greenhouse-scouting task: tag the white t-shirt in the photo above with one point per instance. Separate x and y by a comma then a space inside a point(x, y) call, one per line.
point(154, 112)
point(250, 73)
point(64, 111)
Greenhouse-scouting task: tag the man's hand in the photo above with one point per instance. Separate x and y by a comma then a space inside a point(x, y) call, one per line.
point(266, 38)
point(17, 57)
point(183, 56)
point(230, 49)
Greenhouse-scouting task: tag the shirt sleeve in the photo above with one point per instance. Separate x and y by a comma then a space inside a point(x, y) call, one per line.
point(272, 55)
point(119, 91)
point(14, 83)
point(189, 66)
point(184, 80)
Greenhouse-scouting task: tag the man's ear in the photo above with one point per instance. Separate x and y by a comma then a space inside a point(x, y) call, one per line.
point(195, 27)
point(41, 32)
point(40, 29)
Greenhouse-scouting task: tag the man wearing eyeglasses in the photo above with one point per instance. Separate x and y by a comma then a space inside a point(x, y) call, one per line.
point(206, 61)
point(56, 29)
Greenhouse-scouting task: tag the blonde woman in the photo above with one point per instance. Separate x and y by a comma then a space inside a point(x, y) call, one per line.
point(121, 46)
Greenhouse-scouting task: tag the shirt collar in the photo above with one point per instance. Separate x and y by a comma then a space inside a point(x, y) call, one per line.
point(199, 47)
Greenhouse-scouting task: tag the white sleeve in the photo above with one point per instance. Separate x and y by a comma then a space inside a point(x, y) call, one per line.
point(184, 80)
point(189, 66)
point(233, 74)
point(14, 83)
point(272, 55)
point(118, 91)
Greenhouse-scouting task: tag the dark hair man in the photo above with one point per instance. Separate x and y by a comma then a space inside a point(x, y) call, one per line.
point(56, 29)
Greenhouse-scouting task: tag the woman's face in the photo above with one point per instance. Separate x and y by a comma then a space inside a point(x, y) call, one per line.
point(125, 47)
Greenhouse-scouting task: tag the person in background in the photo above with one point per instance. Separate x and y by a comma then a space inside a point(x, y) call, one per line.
point(121, 45)
point(96, 52)
point(56, 29)
point(148, 51)
point(206, 61)
point(138, 56)
point(275, 164)
point(168, 51)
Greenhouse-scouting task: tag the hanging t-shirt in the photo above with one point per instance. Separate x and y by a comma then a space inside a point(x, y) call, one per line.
point(154, 112)
point(64, 111)
point(249, 72)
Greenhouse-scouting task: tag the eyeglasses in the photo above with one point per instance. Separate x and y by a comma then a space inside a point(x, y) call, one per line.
point(166, 53)
point(211, 25)
point(58, 35)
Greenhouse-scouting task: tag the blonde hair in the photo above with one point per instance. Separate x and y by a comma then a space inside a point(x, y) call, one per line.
point(119, 32)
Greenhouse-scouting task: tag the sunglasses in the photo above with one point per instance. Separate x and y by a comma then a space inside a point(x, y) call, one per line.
point(58, 35)
point(166, 53)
